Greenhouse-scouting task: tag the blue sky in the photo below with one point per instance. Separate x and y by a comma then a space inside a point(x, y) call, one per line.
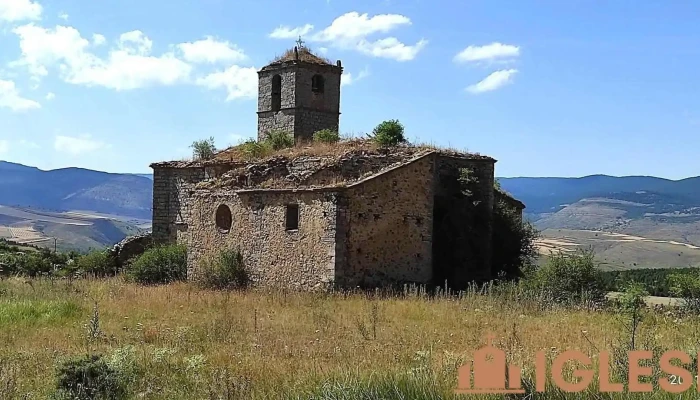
point(549, 88)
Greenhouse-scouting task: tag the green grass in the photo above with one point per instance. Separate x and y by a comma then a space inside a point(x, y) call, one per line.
point(37, 311)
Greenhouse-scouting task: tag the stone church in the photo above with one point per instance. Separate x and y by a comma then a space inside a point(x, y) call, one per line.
point(329, 215)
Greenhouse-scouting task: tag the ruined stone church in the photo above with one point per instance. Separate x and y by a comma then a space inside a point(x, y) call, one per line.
point(329, 215)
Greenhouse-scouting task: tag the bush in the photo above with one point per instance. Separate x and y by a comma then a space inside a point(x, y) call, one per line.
point(226, 270)
point(687, 286)
point(161, 264)
point(326, 136)
point(388, 133)
point(568, 278)
point(278, 140)
point(89, 378)
point(203, 149)
point(97, 263)
point(254, 149)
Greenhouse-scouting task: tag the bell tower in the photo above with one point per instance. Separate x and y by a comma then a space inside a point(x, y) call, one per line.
point(299, 93)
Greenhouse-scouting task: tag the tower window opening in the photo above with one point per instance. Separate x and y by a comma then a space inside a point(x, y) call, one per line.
point(276, 93)
point(317, 83)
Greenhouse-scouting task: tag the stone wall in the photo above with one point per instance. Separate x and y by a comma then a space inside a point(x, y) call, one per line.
point(301, 259)
point(387, 225)
point(309, 122)
point(329, 100)
point(283, 120)
point(172, 191)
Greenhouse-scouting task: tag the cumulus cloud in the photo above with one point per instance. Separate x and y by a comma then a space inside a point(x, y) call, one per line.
point(210, 50)
point(98, 39)
point(489, 52)
point(353, 31)
point(128, 66)
point(10, 98)
point(494, 81)
point(50, 96)
point(239, 82)
point(77, 145)
point(63, 16)
point(349, 78)
point(286, 32)
point(19, 10)
point(4, 146)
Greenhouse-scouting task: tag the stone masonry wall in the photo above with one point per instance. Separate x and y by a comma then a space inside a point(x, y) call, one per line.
point(387, 226)
point(283, 120)
point(301, 259)
point(329, 100)
point(309, 122)
point(172, 190)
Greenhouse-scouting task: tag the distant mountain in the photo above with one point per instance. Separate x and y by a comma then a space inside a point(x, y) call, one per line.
point(75, 189)
point(549, 195)
point(653, 222)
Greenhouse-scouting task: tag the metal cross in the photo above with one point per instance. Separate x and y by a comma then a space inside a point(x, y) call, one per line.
point(300, 43)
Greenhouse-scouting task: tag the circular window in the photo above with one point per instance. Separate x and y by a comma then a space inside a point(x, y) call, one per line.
point(224, 220)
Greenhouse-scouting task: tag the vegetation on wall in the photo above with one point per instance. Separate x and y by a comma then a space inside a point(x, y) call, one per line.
point(513, 242)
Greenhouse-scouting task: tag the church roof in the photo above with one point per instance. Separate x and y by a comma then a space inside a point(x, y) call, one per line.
point(304, 55)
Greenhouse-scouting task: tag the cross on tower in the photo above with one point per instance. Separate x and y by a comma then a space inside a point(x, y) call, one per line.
point(300, 43)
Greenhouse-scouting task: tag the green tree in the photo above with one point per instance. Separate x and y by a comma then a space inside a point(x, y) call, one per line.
point(389, 133)
point(203, 149)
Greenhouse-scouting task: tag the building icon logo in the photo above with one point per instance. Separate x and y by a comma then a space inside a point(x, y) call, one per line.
point(489, 372)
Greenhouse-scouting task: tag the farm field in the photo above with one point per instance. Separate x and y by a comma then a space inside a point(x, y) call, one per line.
point(181, 342)
point(617, 251)
point(73, 230)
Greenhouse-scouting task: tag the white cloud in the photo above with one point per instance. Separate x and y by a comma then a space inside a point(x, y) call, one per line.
point(352, 31)
point(63, 16)
point(494, 81)
point(353, 25)
point(135, 42)
point(4, 146)
point(129, 66)
point(77, 145)
point(10, 98)
point(50, 96)
point(238, 81)
point(391, 48)
point(285, 32)
point(19, 10)
point(323, 50)
point(488, 52)
point(349, 79)
point(28, 144)
point(211, 51)
point(98, 39)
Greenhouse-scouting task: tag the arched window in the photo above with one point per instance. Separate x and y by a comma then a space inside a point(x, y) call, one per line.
point(317, 83)
point(224, 219)
point(276, 93)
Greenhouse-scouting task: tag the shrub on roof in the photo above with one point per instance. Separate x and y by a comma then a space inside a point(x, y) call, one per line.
point(254, 149)
point(279, 140)
point(203, 149)
point(326, 136)
point(388, 133)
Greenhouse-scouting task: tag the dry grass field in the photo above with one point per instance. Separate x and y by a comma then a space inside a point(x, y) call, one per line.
point(186, 343)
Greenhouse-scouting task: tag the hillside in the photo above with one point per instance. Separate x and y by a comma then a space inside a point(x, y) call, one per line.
point(650, 222)
point(75, 189)
point(71, 230)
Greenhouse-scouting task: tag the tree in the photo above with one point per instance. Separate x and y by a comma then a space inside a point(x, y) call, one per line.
point(388, 133)
point(203, 149)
